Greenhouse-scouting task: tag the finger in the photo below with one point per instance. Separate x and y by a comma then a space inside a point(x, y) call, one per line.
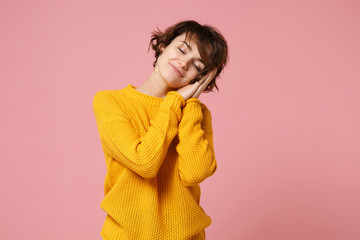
point(213, 73)
point(205, 77)
point(204, 82)
point(201, 88)
point(197, 93)
point(208, 79)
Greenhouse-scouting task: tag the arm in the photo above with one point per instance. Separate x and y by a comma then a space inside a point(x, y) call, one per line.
point(196, 151)
point(141, 154)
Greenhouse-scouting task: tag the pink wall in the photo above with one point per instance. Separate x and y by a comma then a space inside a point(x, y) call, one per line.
point(286, 119)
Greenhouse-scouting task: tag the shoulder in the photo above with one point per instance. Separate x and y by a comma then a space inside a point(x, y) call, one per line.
point(110, 95)
point(109, 99)
point(106, 93)
point(104, 96)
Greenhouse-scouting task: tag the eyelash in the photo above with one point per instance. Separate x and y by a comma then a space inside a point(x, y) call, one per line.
point(181, 51)
point(197, 68)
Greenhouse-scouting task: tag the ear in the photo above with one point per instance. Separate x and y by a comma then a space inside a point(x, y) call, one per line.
point(161, 47)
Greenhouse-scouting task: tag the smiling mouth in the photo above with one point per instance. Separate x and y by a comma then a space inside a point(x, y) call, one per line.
point(176, 70)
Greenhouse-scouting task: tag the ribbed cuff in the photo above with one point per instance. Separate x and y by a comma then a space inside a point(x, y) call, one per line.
point(192, 110)
point(182, 100)
point(196, 100)
point(175, 102)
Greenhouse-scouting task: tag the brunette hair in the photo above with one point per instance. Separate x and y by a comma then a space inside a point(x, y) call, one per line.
point(210, 42)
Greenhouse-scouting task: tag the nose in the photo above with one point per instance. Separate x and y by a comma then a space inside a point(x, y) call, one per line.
point(184, 63)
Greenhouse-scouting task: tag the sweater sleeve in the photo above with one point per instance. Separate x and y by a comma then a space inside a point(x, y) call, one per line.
point(141, 154)
point(196, 151)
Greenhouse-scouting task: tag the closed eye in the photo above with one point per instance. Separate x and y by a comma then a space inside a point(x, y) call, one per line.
point(197, 68)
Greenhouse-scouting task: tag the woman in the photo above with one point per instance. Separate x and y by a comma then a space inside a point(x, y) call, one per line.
point(158, 141)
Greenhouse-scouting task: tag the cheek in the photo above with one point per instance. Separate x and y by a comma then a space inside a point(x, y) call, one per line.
point(193, 75)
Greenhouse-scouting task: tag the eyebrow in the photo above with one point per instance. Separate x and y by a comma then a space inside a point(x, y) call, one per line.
point(187, 45)
point(191, 50)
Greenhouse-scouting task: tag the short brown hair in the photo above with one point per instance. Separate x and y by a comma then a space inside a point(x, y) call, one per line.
point(211, 44)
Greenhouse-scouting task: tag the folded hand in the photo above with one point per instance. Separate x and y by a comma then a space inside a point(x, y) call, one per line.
point(195, 89)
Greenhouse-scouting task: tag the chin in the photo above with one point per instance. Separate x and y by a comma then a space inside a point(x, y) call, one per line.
point(176, 85)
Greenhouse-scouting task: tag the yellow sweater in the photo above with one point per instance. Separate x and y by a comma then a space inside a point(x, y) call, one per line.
point(157, 152)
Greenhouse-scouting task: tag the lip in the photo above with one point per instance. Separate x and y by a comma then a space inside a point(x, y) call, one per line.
point(176, 70)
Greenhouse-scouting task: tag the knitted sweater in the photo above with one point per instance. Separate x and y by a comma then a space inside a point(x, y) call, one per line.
point(157, 152)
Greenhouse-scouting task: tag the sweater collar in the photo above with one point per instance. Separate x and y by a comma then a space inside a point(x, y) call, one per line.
point(148, 99)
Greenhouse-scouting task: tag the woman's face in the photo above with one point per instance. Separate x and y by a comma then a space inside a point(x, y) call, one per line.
point(179, 62)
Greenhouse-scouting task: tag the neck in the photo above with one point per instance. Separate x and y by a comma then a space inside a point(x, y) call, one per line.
point(155, 86)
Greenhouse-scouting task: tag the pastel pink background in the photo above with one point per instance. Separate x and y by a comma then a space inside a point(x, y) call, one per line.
point(286, 119)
